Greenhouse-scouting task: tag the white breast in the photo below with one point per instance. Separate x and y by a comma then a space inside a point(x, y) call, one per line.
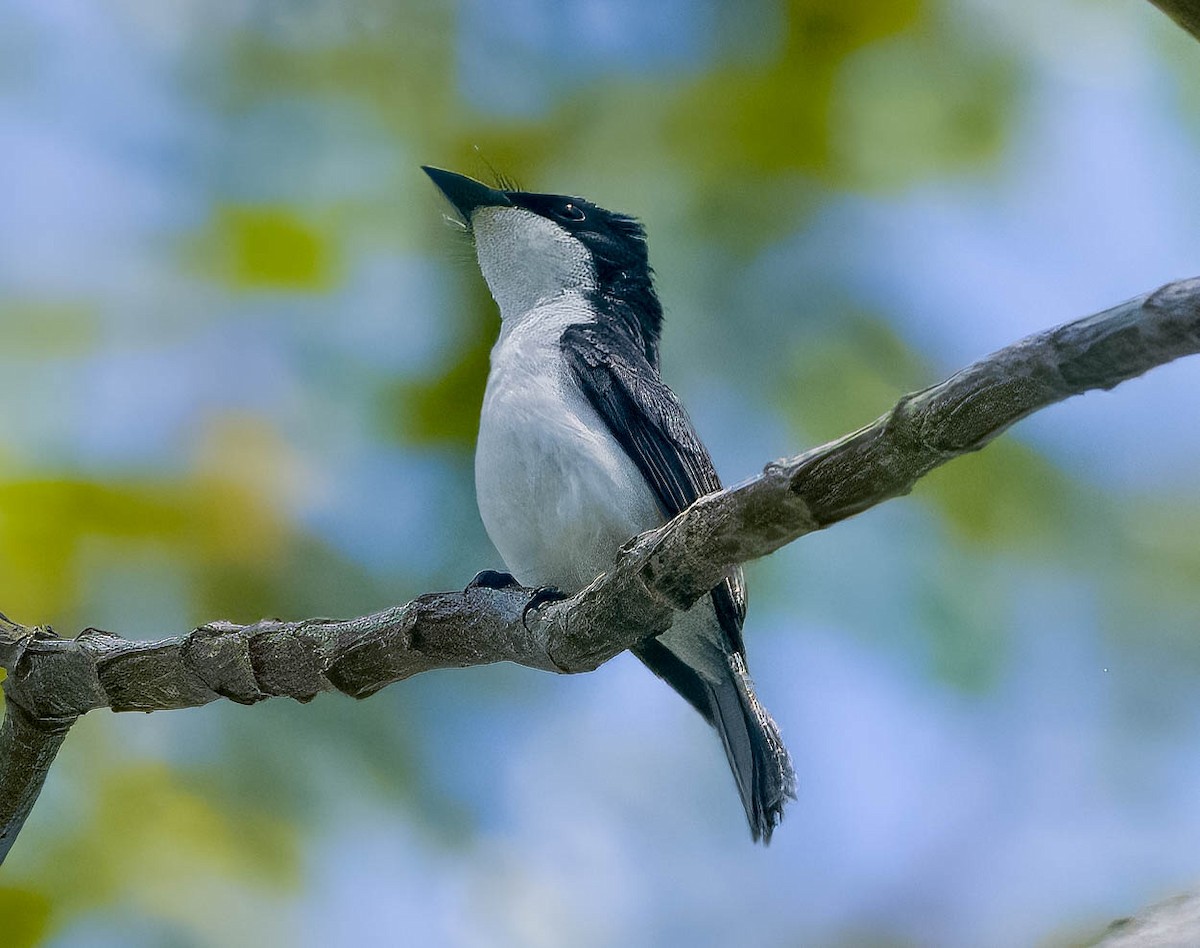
point(557, 493)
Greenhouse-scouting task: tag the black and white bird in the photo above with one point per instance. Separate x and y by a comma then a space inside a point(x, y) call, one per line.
point(582, 446)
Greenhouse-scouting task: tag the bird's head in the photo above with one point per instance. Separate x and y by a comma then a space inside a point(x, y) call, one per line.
point(534, 247)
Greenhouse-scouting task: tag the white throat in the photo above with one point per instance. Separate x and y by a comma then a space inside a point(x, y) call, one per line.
point(527, 259)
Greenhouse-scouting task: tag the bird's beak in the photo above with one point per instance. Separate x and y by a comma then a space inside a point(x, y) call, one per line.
point(466, 194)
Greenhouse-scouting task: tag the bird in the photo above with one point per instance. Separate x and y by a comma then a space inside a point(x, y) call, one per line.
point(582, 446)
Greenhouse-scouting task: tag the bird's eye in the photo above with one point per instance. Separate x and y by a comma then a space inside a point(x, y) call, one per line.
point(570, 212)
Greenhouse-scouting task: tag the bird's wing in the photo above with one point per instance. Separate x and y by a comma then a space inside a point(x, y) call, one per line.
point(652, 426)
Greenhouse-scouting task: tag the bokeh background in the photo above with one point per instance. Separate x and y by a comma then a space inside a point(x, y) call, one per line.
point(242, 359)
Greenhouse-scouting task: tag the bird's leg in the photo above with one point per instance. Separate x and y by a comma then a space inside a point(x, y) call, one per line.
point(493, 579)
point(541, 596)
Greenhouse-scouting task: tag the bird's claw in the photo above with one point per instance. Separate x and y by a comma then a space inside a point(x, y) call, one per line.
point(541, 596)
point(492, 579)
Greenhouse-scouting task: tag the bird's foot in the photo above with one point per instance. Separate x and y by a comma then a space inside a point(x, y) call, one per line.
point(493, 579)
point(541, 596)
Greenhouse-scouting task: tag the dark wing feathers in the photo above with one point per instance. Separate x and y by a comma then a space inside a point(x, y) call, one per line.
point(620, 383)
point(652, 426)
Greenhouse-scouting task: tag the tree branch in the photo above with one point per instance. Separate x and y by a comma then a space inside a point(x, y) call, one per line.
point(28, 745)
point(53, 680)
point(1184, 12)
point(1173, 922)
point(27, 749)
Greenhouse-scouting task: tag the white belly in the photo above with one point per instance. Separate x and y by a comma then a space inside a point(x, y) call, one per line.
point(557, 493)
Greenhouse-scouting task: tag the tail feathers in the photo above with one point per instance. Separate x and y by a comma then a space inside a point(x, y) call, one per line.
point(725, 697)
point(761, 766)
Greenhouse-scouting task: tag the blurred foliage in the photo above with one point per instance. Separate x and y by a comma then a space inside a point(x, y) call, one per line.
point(854, 373)
point(44, 328)
point(1158, 562)
point(43, 521)
point(1007, 496)
point(226, 523)
point(920, 105)
point(268, 247)
point(1179, 54)
point(23, 916)
point(144, 820)
point(961, 609)
point(137, 831)
point(1005, 500)
point(734, 149)
point(864, 93)
point(1162, 531)
point(444, 407)
point(773, 117)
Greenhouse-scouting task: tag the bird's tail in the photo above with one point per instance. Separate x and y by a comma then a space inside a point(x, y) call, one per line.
point(760, 763)
point(725, 697)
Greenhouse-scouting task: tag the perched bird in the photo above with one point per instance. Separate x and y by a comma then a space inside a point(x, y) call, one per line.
point(582, 446)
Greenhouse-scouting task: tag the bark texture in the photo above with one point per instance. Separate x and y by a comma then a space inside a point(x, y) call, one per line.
point(1184, 12)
